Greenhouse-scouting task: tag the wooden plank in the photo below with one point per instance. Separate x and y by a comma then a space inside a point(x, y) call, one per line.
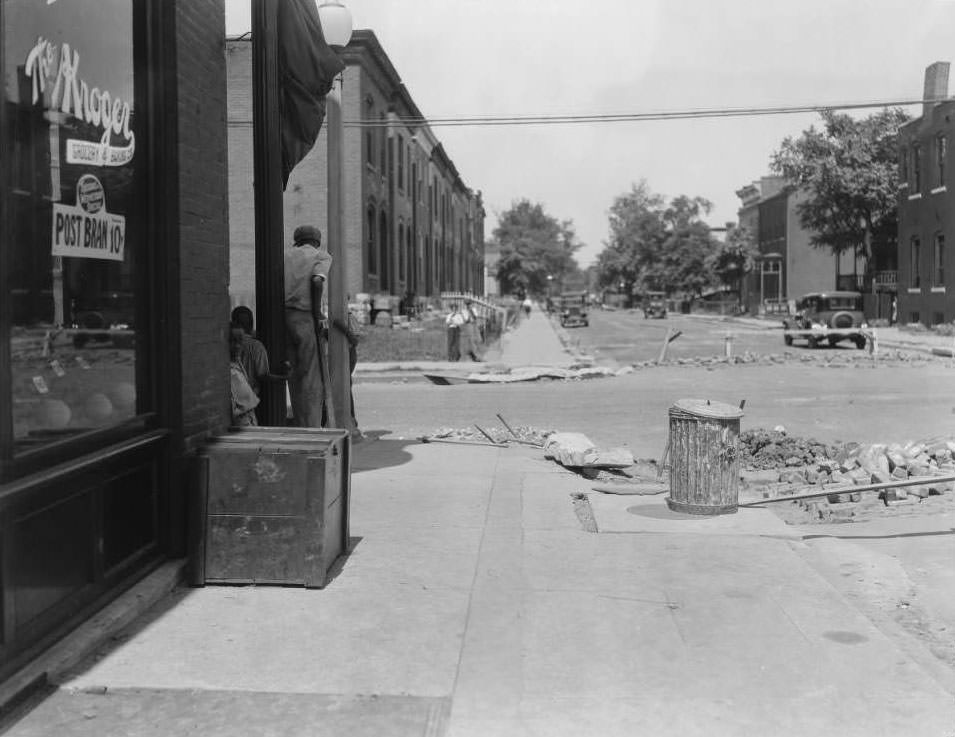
point(914, 481)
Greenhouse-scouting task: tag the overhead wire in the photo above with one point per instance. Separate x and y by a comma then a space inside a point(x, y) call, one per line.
point(730, 112)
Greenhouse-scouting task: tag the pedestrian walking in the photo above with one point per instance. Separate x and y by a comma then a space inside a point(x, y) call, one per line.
point(454, 322)
point(307, 263)
point(527, 306)
point(470, 335)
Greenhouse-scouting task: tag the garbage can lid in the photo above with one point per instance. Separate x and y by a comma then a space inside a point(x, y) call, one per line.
point(707, 408)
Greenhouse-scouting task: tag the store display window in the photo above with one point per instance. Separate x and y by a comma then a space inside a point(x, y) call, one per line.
point(72, 236)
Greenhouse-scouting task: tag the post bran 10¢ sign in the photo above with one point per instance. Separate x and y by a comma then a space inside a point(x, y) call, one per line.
point(86, 229)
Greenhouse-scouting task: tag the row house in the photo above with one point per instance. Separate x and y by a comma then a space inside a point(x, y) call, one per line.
point(787, 265)
point(926, 207)
point(411, 224)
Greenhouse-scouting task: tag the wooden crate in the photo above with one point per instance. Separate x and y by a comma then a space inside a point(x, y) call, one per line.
point(274, 506)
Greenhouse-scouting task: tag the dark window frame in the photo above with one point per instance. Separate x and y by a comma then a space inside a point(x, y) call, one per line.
point(938, 260)
point(941, 153)
point(915, 258)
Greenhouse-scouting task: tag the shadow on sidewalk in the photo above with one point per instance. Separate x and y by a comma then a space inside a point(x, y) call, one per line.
point(374, 452)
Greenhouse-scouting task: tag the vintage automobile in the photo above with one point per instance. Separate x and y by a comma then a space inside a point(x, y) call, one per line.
point(108, 318)
point(827, 316)
point(654, 305)
point(573, 309)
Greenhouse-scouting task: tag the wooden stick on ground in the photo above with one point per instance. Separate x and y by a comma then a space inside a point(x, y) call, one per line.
point(488, 436)
point(670, 337)
point(917, 481)
point(426, 439)
point(509, 428)
point(518, 438)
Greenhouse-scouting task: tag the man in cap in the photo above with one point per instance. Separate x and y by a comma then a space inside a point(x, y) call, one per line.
point(307, 263)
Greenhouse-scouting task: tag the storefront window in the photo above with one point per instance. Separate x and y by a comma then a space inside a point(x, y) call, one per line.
point(73, 226)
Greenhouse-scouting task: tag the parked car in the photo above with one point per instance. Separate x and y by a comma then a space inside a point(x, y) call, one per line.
point(654, 305)
point(108, 318)
point(827, 316)
point(573, 309)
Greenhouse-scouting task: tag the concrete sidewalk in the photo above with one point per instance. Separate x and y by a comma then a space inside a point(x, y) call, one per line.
point(474, 604)
point(532, 342)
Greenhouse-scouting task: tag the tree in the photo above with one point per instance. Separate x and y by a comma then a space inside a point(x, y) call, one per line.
point(849, 173)
point(734, 258)
point(655, 246)
point(533, 246)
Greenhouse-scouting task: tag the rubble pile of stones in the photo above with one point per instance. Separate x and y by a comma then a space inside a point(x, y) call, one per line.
point(773, 458)
point(822, 358)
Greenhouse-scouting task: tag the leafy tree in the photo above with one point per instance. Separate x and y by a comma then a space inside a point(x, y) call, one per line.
point(657, 246)
point(533, 246)
point(849, 173)
point(733, 259)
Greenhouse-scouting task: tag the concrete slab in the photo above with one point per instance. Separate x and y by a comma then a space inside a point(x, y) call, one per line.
point(160, 713)
point(650, 514)
point(406, 554)
point(382, 639)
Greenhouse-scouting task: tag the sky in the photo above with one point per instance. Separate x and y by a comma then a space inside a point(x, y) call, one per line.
point(555, 57)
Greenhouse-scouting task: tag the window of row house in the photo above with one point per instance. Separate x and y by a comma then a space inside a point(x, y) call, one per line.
point(391, 162)
point(410, 256)
point(904, 167)
point(369, 131)
point(383, 268)
point(401, 248)
point(916, 168)
point(73, 234)
point(915, 247)
point(938, 262)
point(941, 152)
point(383, 141)
point(372, 255)
point(401, 163)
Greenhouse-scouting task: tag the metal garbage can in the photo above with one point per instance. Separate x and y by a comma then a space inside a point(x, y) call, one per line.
point(704, 457)
point(274, 505)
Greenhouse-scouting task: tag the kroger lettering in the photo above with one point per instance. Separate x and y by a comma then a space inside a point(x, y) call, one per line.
point(74, 96)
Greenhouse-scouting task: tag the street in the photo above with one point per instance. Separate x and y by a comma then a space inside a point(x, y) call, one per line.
point(828, 393)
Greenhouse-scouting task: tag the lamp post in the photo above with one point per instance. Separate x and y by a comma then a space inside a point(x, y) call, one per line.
point(268, 201)
point(337, 28)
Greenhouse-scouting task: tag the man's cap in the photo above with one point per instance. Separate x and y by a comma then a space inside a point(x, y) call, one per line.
point(307, 233)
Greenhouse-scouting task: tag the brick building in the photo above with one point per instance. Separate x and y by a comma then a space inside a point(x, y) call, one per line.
point(410, 222)
point(788, 265)
point(113, 297)
point(926, 206)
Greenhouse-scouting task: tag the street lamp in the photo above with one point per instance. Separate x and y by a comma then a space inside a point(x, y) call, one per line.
point(337, 30)
point(336, 22)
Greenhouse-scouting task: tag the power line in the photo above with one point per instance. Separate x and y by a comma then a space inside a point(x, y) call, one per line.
point(733, 112)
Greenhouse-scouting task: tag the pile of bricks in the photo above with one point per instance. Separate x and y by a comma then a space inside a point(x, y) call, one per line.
point(860, 465)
